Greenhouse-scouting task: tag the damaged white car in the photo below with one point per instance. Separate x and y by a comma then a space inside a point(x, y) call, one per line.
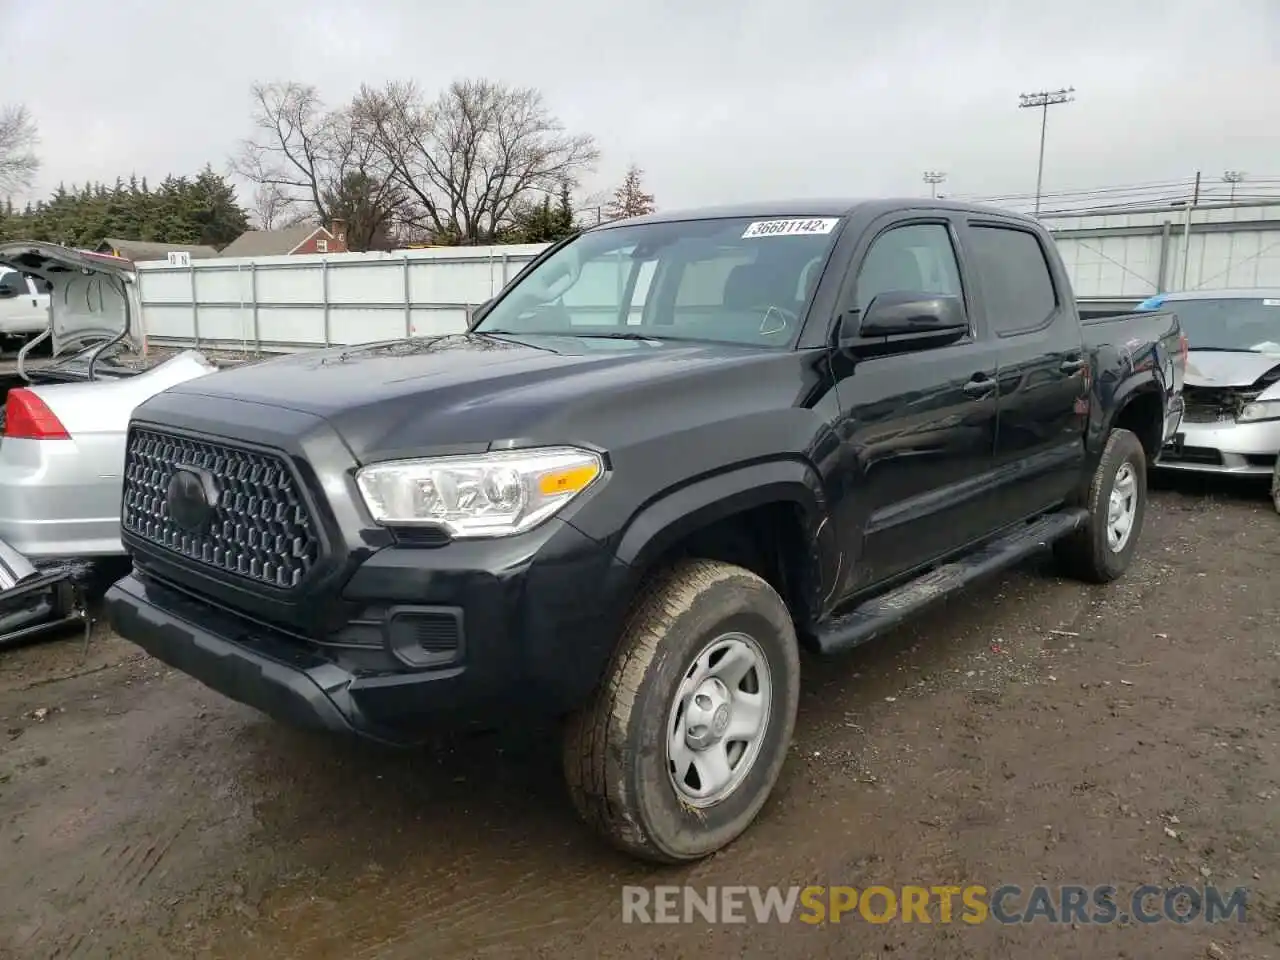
point(1231, 421)
point(62, 433)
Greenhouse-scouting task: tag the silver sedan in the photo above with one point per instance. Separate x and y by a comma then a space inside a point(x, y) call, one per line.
point(1231, 421)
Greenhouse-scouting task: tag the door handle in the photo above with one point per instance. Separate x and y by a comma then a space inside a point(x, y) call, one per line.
point(979, 386)
point(1072, 365)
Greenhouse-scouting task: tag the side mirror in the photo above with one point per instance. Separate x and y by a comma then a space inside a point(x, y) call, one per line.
point(923, 316)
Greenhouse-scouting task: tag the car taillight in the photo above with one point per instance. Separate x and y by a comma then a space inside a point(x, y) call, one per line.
point(27, 417)
point(1184, 345)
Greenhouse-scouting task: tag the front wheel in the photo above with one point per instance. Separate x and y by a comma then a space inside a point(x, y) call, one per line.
point(1103, 548)
point(689, 730)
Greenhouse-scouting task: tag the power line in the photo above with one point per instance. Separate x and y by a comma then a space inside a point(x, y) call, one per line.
point(1089, 191)
point(1044, 99)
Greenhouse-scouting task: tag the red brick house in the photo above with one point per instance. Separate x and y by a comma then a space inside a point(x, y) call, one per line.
point(304, 238)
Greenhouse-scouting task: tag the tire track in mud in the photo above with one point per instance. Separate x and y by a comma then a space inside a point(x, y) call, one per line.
point(113, 879)
point(360, 857)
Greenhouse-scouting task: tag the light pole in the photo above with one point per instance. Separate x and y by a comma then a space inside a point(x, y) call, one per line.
point(1233, 177)
point(933, 178)
point(1044, 99)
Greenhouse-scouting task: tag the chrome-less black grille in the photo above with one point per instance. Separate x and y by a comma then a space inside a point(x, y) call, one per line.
point(249, 519)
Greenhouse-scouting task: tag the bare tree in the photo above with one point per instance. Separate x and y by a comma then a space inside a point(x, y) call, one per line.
point(630, 200)
point(273, 208)
point(303, 154)
point(18, 140)
point(465, 159)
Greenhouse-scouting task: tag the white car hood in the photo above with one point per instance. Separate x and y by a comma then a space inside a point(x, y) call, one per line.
point(1213, 368)
point(94, 295)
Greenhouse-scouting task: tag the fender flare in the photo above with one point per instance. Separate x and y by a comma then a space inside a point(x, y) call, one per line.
point(1148, 383)
point(664, 521)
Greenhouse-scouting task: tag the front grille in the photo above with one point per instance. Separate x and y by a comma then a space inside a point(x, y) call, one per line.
point(259, 528)
point(1216, 404)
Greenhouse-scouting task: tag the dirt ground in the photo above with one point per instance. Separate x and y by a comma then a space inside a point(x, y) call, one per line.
point(144, 816)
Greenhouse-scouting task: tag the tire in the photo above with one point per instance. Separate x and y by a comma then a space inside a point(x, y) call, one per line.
point(1275, 486)
point(616, 750)
point(1088, 553)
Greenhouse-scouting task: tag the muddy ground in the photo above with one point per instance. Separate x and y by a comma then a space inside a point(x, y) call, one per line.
point(143, 816)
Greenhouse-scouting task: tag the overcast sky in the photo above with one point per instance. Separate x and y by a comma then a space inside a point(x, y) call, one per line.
point(717, 100)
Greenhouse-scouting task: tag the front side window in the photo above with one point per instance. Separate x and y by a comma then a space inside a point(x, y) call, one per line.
point(917, 258)
point(736, 280)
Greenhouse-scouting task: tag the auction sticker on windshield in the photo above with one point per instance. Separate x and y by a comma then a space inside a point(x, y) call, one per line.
point(790, 228)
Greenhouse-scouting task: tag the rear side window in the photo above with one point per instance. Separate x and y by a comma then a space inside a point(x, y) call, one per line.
point(1015, 278)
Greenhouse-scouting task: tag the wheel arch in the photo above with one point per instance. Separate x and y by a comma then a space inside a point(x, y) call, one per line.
point(770, 517)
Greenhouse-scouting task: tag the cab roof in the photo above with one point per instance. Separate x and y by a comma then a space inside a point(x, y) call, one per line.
point(815, 207)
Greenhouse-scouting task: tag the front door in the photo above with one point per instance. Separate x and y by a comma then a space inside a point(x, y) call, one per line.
point(917, 428)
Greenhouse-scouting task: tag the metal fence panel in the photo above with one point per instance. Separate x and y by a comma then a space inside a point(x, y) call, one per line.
point(316, 300)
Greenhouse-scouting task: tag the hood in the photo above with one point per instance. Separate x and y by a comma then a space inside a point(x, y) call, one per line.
point(395, 398)
point(1214, 368)
point(94, 296)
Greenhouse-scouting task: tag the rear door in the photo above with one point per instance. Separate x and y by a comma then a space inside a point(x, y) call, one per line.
point(917, 427)
point(1043, 368)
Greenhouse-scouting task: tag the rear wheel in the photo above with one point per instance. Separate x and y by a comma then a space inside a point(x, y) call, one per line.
point(1102, 549)
point(688, 732)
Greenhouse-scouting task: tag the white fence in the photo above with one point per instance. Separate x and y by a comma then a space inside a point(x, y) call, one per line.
point(1135, 253)
point(275, 303)
point(289, 303)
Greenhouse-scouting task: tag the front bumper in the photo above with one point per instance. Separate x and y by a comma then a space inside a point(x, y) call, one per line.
point(531, 633)
point(287, 683)
point(1224, 447)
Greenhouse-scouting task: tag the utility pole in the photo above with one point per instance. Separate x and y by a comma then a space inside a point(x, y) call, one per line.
point(1044, 99)
point(933, 178)
point(1233, 177)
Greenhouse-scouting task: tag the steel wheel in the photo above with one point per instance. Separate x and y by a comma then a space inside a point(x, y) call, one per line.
point(718, 719)
point(1122, 507)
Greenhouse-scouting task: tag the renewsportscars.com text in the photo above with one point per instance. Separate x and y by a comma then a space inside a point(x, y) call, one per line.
point(972, 904)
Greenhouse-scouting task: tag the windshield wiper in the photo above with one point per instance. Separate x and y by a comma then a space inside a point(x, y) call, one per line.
point(571, 333)
point(617, 336)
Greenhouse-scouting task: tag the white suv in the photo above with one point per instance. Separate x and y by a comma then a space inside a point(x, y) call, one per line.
point(24, 305)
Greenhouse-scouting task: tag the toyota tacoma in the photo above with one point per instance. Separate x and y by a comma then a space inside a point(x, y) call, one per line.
point(671, 452)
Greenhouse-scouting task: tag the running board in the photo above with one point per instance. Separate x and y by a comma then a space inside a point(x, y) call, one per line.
point(881, 613)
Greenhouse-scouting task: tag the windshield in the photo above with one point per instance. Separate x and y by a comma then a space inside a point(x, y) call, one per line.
point(733, 281)
point(1230, 323)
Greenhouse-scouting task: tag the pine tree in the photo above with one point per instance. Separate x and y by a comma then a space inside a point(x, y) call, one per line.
point(182, 210)
point(630, 200)
point(563, 225)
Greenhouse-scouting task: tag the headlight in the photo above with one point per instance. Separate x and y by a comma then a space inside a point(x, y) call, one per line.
point(1259, 410)
point(483, 495)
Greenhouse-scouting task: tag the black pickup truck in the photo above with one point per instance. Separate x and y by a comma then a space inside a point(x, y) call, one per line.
point(671, 452)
